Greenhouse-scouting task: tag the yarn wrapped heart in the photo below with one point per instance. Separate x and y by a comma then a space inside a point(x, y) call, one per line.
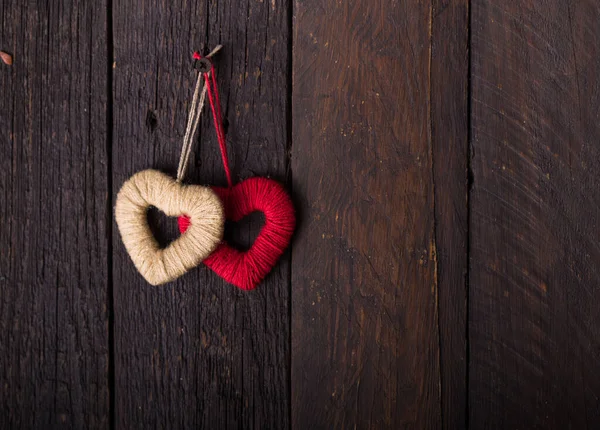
point(247, 269)
point(153, 188)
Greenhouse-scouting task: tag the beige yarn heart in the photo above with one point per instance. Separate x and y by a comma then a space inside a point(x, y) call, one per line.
point(153, 188)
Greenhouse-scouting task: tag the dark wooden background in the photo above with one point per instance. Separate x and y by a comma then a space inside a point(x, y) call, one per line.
point(444, 159)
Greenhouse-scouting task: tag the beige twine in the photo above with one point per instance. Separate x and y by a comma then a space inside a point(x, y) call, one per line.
point(192, 125)
point(193, 120)
point(153, 188)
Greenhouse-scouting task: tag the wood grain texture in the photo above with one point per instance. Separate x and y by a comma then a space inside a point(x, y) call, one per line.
point(378, 313)
point(364, 321)
point(450, 146)
point(199, 353)
point(54, 346)
point(534, 319)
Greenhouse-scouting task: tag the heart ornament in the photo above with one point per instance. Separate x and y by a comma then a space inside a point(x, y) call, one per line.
point(153, 188)
point(247, 269)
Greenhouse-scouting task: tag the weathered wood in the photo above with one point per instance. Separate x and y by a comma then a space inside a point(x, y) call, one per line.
point(450, 145)
point(380, 178)
point(54, 346)
point(364, 321)
point(534, 315)
point(199, 353)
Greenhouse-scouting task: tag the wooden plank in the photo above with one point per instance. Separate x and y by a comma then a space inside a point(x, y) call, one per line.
point(54, 346)
point(450, 143)
point(198, 353)
point(534, 320)
point(364, 321)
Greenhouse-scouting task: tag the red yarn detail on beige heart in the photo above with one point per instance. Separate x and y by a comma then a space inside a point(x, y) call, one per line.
point(247, 269)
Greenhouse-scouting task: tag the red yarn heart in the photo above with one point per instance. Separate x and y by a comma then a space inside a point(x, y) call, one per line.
point(247, 269)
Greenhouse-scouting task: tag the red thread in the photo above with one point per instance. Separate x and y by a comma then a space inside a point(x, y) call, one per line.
point(215, 107)
point(247, 269)
point(183, 222)
point(213, 75)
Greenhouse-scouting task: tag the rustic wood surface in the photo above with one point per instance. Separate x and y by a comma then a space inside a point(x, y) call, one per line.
point(449, 137)
point(443, 159)
point(365, 335)
point(534, 329)
point(54, 218)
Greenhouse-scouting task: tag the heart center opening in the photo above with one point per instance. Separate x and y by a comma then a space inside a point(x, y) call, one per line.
point(163, 228)
point(242, 234)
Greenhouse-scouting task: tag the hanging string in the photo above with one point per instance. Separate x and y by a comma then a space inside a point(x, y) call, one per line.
point(192, 125)
point(194, 117)
point(215, 106)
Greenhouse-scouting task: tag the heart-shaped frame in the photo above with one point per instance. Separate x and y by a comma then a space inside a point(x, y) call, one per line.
point(247, 269)
point(153, 188)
